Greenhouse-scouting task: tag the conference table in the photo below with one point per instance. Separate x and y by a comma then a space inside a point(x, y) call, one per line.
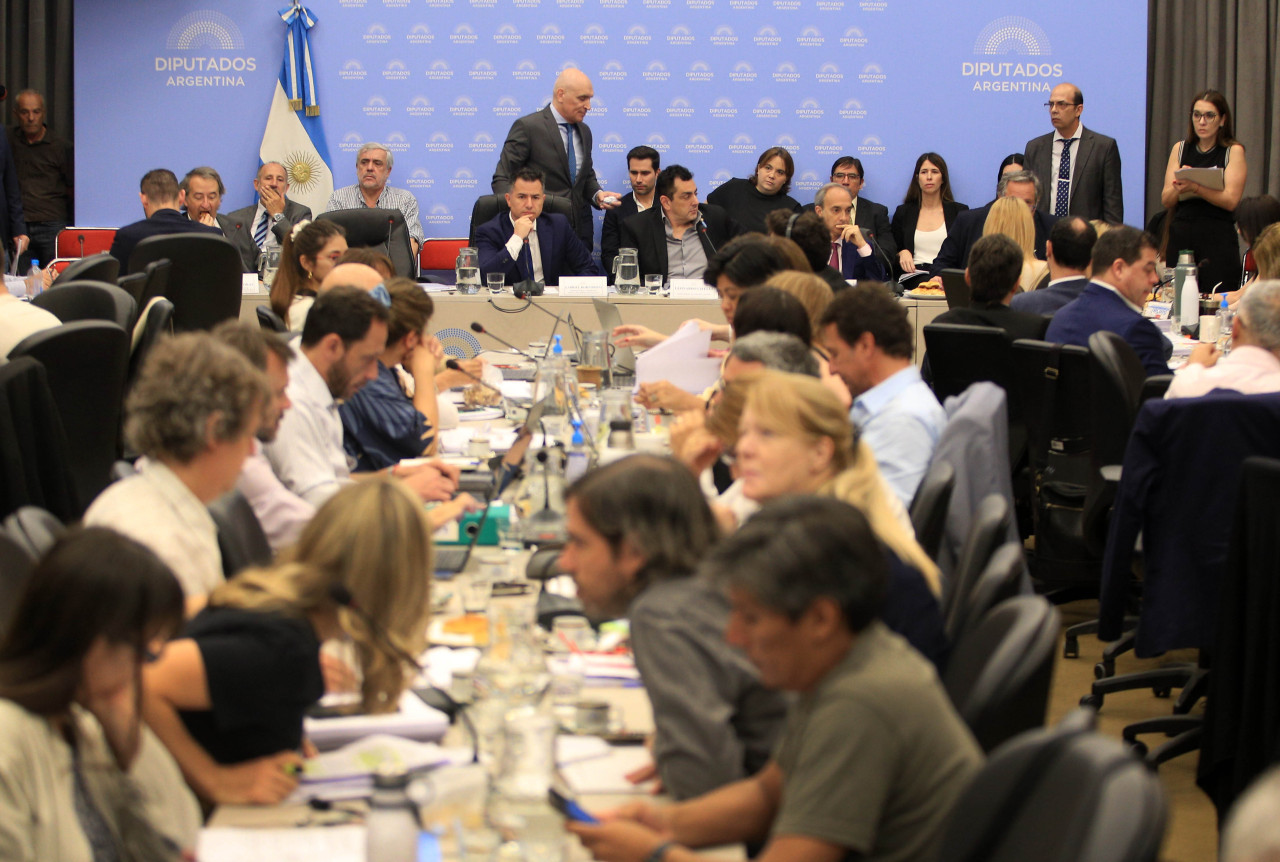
point(520, 322)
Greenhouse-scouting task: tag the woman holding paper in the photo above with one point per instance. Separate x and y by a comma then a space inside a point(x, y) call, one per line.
point(1200, 204)
point(228, 698)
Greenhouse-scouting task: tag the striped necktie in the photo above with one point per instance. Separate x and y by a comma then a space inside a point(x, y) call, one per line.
point(260, 232)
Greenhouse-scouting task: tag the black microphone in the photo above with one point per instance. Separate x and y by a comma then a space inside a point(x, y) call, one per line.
point(81, 238)
point(478, 328)
point(455, 365)
point(569, 324)
point(875, 247)
point(702, 229)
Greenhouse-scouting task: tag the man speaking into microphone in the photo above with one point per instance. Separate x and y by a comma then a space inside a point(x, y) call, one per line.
point(679, 236)
point(526, 244)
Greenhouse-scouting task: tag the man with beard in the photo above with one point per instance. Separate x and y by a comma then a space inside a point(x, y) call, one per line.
point(643, 164)
point(345, 333)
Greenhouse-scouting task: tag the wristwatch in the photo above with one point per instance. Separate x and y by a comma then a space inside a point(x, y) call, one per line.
point(659, 851)
point(277, 218)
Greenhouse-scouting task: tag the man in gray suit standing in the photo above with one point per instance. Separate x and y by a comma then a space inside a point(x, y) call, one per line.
point(258, 227)
point(1080, 168)
point(557, 142)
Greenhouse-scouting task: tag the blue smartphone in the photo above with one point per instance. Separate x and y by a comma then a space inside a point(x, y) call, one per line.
point(568, 807)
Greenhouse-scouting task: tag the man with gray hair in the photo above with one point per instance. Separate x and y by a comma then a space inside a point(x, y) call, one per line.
point(852, 253)
point(967, 227)
point(776, 351)
point(264, 225)
point(200, 194)
point(373, 168)
point(1253, 365)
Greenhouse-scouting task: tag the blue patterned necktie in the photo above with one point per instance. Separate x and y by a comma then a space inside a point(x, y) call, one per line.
point(573, 159)
point(260, 232)
point(1064, 180)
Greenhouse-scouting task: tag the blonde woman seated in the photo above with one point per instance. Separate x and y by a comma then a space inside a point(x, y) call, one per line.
point(228, 698)
point(1011, 217)
point(795, 437)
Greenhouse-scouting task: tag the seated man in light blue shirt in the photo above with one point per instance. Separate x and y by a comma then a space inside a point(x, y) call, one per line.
point(868, 337)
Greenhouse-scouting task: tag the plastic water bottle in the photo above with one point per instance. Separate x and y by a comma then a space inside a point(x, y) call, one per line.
point(35, 280)
point(1225, 318)
point(1186, 264)
point(392, 825)
point(579, 459)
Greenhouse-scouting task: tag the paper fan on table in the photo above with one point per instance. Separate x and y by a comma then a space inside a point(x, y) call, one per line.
point(458, 343)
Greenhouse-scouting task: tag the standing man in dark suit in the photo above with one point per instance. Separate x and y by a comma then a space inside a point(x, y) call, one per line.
point(526, 243)
point(264, 225)
point(1124, 272)
point(158, 192)
point(643, 164)
point(557, 142)
point(678, 236)
point(992, 275)
point(1067, 251)
point(1080, 166)
point(872, 218)
point(851, 251)
point(967, 228)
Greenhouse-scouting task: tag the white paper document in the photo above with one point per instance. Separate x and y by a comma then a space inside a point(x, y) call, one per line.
point(1213, 179)
point(414, 720)
point(333, 844)
point(681, 359)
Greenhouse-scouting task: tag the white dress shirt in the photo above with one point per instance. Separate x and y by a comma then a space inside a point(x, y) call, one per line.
point(19, 319)
point(1248, 369)
point(535, 252)
point(281, 512)
point(307, 454)
point(154, 508)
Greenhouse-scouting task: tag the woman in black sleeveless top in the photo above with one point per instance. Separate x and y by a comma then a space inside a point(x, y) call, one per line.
point(1201, 218)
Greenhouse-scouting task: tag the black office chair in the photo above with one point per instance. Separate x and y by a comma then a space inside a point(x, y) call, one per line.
point(133, 285)
point(382, 230)
point(87, 364)
point(269, 321)
point(961, 355)
point(95, 267)
point(156, 325)
point(999, 673)
point(488, 206)
point(35, 468)
point(988, 531)
point(929, 506)
point(1000, 580)
point(89, 300)
point(241, 540)
point(157, 280)
point(204, 278)
point(1061, 795)
point(15, 570)
point(34, 529)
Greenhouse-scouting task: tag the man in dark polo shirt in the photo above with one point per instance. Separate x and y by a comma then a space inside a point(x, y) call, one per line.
point(873, 756)
point(45, 175)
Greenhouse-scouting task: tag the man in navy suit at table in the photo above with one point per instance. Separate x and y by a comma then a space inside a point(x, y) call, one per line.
point(851, 251)
point(1068, 252)
point(526, 243)
point(1124, 272)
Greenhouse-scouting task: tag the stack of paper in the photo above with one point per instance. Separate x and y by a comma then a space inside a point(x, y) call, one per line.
point(681, 359)
point(414, 720)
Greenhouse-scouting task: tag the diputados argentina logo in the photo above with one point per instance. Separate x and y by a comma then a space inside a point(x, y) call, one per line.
point(1026, 42)
point(207, 40)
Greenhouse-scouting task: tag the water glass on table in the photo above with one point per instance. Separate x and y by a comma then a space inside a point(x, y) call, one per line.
point(653, 283)
point(476, 590)
point(496, 282)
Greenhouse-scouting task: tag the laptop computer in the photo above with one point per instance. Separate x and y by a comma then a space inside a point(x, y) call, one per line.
point(956, 288)
point(624, 358)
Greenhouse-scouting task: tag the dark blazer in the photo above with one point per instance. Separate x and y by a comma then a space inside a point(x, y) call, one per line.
point(1098, 308)
point(561, 251)
point(161, 222)
point(874, 218)
point(237, 226)
point(905, 218)
point(11, 221)
point(536, 140)
point(1016, 324)
point(967, 229)
point(611, 230)
point(646, 233)
point(1095, 176)
point(1048, 300)
point(853, 265)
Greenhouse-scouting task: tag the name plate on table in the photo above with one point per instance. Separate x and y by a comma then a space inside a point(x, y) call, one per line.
point(248, 284)
point(584, 285)
point(692, 288)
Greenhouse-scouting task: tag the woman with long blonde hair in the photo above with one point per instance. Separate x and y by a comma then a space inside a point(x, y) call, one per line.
point(1011, 217)
point(794, 437)
point(229, 697)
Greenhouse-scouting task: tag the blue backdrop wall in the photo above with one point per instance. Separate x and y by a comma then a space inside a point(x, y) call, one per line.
point(709, 83)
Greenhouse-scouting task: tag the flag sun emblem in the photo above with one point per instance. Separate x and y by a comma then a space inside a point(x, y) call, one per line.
point(304, 170)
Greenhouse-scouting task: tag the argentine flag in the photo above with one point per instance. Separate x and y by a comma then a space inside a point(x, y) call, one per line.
point(293, 136)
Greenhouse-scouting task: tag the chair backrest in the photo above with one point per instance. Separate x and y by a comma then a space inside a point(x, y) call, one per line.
point(929, 506)
point(999, 673)
point(999, 581)
point(439, 253)
point(961, 355)
point(97, 267)
point(87, 364)
point(240, 536)
point(157, 273)
point(34, 529)
point(35, 469)
point(83, 241)
point(15, 570)
point(157, 324)
point(269, 321)
point(133, 284)
point(88, 300)
point(1118, 378)
point(204, 279)
point(488, 206)
point(1062, 795)
point(381, 229)
point(987, 531)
